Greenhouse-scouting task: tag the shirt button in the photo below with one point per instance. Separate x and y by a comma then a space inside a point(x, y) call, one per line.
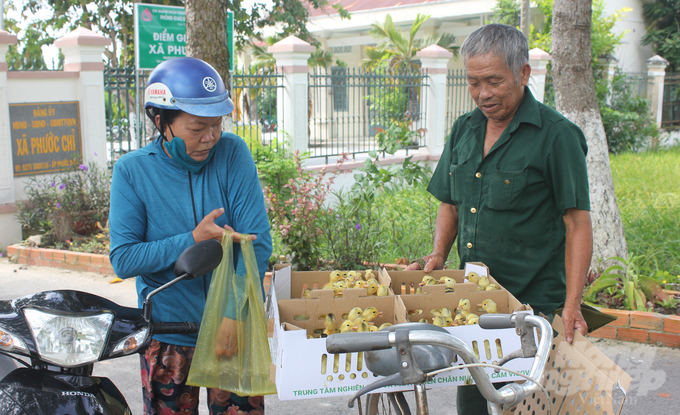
point(507, 182)
point(478, 175)
point(473, 210)
point(469, 245)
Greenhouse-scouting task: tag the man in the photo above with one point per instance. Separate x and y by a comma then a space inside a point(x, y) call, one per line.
point(513, 186)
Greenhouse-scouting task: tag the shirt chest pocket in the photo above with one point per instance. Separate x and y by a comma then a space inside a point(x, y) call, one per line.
point(507, 183)
point(458, 177)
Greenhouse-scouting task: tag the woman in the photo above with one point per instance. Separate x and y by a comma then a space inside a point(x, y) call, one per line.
point(187, 186)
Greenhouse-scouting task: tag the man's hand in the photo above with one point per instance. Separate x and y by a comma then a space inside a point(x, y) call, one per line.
point(226, 341)
point(207, 229)
point(573, 320)
point(432, 262)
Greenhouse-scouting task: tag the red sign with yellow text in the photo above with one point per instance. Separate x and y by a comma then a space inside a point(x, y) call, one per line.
point(45, 137)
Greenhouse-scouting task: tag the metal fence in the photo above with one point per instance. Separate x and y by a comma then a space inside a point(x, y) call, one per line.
point(257, 118)
point(348, 106)
point(671, 101)
point(458, 99)
point(124, 112)
point(637, 83)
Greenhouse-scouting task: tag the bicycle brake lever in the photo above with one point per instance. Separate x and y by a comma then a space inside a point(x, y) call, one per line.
point(527, 340)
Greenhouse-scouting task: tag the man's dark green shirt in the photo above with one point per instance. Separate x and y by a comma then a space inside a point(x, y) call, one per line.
point(511, 203)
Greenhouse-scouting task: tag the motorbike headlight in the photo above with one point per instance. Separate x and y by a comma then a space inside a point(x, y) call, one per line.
point(131, 343)
point(68, 340)
point(11, 343)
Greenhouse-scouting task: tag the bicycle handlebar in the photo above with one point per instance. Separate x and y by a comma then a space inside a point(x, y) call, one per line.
point(510, 395)
point(358, 342)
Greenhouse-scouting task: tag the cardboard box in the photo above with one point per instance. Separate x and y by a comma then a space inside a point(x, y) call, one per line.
point(293, 286)
point(579, 379)
point(304, 369)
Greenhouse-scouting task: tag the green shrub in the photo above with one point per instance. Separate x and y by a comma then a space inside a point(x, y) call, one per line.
point(73, 201)
point(626, 117)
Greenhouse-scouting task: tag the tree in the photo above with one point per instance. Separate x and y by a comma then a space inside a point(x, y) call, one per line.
point(575, 98)
point(664, 31)
point(114, 19)
point(397, 49)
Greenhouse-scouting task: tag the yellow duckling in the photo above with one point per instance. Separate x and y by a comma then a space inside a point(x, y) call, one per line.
point(444, 312)
point(354, 313)
point(423, 320)
point(329, 324)
point(369, 274)
point(384, 326)
point(346, 326)
point(334, 277)
point(359, 320)
point(439, 321)
point(382, 291)
point(419, 290)
point(472, 319)
point(448, 321)
point(464, 307)
point(363, 327)
point(339, 287)
point(472, 277)
point(372, 286)
point(360, 284)
point(306, 293)
point(489, 306)
point(459, 320)
point(427, 280)
point(372, 328)
point(483, 282)
point(448, 282)
point(493, 287)
point(371, 313)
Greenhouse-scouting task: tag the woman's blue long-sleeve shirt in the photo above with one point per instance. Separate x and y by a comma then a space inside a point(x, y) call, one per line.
point(151, 220)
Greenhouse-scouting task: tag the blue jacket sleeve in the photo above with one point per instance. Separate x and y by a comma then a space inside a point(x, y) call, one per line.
point(130, 255)
point(248, 212)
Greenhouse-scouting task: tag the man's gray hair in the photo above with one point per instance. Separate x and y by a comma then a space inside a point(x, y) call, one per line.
point(502, 40)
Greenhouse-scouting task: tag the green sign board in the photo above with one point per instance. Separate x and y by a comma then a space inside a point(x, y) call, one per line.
point(160, 34)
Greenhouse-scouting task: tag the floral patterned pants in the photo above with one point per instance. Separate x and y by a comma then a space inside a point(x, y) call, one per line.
point(165, 368)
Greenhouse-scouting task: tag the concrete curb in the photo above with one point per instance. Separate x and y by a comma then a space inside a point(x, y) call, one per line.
point(641, 327)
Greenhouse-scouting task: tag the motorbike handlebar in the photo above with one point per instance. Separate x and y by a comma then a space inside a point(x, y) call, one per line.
point(175, 328)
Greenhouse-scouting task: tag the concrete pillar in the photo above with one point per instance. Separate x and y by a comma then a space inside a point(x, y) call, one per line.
point(291, 56)
point(608, 63)
point(11, 230)
point(656, 71)
point(538, 60)
point(83, 52)
point(434, 59)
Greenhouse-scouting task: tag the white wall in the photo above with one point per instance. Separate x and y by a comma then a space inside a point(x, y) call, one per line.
point(631, 55)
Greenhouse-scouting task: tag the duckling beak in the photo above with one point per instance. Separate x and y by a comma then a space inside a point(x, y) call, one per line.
point(480, 305)
point(380, 313)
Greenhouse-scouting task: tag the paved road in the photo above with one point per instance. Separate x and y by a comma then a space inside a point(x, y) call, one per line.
point(655, 370)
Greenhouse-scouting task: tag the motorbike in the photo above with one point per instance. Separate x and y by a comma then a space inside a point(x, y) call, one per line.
point(50, 341)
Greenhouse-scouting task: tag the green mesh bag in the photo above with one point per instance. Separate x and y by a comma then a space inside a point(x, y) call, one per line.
point(232, 353)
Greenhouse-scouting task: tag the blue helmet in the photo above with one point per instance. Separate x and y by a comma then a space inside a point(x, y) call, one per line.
point(190, 85)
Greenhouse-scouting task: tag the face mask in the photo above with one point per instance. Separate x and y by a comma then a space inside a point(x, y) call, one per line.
point(178, 151)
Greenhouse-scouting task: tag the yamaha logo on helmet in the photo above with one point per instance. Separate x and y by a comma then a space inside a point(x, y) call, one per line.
point(209, 84)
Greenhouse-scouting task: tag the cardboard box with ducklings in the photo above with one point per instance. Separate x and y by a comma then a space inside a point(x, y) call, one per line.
point(304, 369)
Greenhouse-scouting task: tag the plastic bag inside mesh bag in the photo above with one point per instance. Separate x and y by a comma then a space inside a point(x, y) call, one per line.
point(232, 353)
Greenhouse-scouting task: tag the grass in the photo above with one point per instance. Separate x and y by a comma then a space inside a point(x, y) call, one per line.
point(648, 193)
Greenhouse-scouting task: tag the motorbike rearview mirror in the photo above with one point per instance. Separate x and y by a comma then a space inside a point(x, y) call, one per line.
point(198, 259)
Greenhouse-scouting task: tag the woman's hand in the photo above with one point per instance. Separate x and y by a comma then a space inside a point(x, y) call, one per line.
point(207, 229)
